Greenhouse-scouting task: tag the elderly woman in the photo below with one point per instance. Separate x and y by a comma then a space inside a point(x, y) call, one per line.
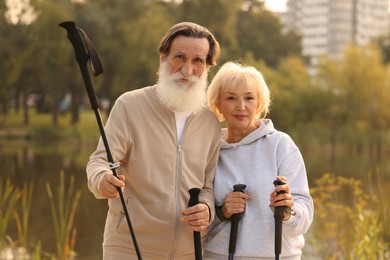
point(254, 153)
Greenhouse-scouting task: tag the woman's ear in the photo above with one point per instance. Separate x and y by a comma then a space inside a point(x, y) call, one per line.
point(218, 107)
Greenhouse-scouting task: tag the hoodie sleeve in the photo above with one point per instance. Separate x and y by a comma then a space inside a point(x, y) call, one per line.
point(292, 166)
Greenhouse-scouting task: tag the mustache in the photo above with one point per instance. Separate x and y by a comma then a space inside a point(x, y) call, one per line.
point(178, 76)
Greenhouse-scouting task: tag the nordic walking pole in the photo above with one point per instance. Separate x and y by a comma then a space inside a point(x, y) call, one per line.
point(278, 215)
point(194, 199)
point(235, 218)
point(85, 52)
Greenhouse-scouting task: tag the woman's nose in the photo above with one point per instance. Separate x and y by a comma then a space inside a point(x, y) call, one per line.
point(241, 105)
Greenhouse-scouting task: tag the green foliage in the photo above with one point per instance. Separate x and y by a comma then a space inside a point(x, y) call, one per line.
point(346, 221)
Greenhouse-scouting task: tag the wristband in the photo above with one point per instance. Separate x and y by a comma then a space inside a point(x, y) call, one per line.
point(219, 213)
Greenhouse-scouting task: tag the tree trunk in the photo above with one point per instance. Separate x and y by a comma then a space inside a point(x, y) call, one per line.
point(26, 118)
point(76, 102)
point(55, 113)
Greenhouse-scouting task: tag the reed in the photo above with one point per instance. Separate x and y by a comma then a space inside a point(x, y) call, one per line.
point(22, 222)
point(63, 214)
point(9, 196)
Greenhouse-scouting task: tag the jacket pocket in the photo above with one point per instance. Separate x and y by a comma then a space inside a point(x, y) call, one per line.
point(122, 226)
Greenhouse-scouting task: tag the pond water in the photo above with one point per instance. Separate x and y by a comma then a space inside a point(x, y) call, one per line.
point(22, 162)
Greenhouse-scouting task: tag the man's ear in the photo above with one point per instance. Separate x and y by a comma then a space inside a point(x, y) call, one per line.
point(162, 57)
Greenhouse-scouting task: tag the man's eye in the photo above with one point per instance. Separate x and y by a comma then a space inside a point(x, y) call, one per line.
point(199, 60)
point(180, 57)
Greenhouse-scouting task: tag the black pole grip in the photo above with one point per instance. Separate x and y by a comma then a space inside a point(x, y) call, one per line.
point(82, 57)
point(278, 215)
point(235, 218)
point(194, 199)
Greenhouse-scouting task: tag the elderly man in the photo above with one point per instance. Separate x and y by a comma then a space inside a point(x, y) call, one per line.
point(167, 142)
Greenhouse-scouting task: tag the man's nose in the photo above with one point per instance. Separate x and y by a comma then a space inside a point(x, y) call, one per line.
point(187, 69)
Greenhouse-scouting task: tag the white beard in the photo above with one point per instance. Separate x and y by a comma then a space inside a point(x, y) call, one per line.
point(181, 96)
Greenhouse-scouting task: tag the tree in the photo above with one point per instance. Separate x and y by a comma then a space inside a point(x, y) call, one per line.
point(359, 85)
point(51, 53)
point(259, 32)
point(223, 23)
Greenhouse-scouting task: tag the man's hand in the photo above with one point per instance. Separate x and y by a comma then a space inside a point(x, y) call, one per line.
point(197, 217)
point(108, 185)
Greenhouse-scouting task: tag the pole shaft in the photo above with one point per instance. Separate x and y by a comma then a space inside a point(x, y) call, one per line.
point(194, 199)
point(235, 219)
point(95, 107)
point(278, 215)
point(82, 58)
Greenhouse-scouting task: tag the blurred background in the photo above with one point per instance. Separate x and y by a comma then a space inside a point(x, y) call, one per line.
point(326, 63)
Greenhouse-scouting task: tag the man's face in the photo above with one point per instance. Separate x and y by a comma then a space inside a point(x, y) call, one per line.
point(187, 57)
point(183, 74)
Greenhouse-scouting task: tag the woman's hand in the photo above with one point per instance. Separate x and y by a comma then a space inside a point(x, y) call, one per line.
point(282, 199)
point(235, 202)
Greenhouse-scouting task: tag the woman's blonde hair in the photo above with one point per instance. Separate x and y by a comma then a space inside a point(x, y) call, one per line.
point(233, 75)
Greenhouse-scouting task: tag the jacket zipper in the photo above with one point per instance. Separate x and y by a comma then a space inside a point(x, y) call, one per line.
point(177, 199)
point(178, 173)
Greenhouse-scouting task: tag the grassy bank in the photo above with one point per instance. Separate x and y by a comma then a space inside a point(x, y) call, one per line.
point(41, 127)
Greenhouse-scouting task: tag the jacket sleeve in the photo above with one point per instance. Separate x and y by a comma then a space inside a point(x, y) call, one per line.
point(207, 193)
point(118, 142)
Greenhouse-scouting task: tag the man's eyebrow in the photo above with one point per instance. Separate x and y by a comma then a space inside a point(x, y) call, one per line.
point(201, 56)
point(179, 52)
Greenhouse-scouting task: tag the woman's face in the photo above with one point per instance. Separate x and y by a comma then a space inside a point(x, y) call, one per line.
point(238, 106)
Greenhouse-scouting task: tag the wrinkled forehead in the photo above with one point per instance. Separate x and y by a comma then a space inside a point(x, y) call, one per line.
point(198, 47)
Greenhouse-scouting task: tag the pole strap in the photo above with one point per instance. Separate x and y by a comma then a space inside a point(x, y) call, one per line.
point(94, 60)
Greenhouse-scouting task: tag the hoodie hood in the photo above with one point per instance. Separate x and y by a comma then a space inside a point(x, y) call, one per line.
point(266, 127)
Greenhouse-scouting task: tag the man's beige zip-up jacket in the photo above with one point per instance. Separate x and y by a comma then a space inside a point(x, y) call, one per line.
point(159, 171)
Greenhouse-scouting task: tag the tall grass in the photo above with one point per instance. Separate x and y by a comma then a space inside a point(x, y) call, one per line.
point(22, 222)
point(9, 196)
point(63, 213)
